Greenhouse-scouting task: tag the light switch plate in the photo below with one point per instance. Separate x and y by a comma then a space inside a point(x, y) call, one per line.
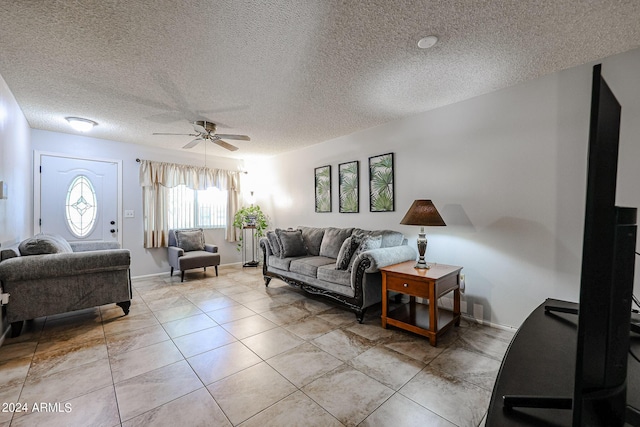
point(129, 214)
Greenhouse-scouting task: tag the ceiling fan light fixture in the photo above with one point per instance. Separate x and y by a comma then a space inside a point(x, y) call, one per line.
point(204, 131)
point(80, 124)
point(427, 42)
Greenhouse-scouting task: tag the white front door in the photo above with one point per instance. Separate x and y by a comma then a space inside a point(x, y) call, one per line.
point(79, 198)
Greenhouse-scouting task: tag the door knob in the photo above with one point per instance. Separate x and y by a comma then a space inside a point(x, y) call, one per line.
point(113, 230)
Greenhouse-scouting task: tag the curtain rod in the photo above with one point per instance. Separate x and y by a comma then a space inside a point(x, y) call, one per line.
point(244, 172)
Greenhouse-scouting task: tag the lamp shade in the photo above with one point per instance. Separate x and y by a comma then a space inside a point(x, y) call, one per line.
point(424, 213)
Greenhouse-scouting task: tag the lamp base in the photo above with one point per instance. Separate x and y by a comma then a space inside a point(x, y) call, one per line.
point(421, 265)
point(422, 248)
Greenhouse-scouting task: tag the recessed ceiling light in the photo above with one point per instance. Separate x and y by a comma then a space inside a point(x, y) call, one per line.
point(427, 42)
point(80, 124)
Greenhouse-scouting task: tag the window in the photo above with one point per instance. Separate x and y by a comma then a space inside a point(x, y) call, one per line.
point(196, 208)
point(80, 206)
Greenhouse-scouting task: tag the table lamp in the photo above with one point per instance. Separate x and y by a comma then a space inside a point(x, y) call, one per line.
point(422, 213)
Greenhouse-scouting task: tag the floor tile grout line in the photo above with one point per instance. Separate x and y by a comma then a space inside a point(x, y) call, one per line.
point(456, 376)
point(113, 383)
point(448, 374)
point(430, 410)
point(145, 373)
point(343, 327)
point(31, 365)
point(262, 410)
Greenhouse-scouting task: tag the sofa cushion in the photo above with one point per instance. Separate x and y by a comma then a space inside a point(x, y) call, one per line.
point(308, 266)
point(312, 239)
point(280, 263)
point(347, 249)
point(198, 259)
point(274, 243)
point(332, 241)
point(44, 244)
point(96, 245)
point(368, 243)
point(190, 240)
point(66, 246)
point(330, 274)
point(292, 243)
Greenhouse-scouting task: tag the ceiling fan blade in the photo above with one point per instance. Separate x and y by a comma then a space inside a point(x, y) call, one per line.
point(225, 144)
point(193, 143)
point(237, 137)
point(162, 133)
point(199, 128)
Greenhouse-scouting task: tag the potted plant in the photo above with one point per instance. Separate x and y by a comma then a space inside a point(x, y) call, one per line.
point(251, 216)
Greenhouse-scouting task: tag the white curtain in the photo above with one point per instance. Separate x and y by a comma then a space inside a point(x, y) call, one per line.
point(156, 177)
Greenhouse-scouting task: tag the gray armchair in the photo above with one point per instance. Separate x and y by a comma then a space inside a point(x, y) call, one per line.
point(46, 275)
point(187, 250)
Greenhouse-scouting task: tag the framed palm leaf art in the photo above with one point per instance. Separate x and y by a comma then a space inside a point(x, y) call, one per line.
point(381, 197)
point(349, 189)
point(323, 188)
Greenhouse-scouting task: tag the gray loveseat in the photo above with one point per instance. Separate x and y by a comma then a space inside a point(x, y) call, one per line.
point(338, 263)
point(47, 275)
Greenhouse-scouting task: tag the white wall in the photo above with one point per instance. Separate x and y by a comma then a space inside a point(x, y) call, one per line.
point(507, 171)
point(15, 169)
point(15, 172)
point(143, 261)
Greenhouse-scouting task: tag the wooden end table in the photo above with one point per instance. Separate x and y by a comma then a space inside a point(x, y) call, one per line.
point(428, 320)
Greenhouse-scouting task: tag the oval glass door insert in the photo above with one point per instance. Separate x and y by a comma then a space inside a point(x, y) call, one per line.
point(81, 209)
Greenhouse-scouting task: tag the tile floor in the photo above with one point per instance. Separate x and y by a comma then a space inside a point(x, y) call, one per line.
point(223, 351)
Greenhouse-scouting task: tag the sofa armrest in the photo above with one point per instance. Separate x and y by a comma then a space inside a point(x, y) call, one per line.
point(383, 257)
point(93, 246)
point(174, 254)
point(35, 267)
point(211, 248)
point(266, 249)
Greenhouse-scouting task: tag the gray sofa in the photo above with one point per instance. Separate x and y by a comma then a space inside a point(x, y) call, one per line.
point(47, 275)
point(338, 263)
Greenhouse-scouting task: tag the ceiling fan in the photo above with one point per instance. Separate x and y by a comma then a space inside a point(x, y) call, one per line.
point(207, 130)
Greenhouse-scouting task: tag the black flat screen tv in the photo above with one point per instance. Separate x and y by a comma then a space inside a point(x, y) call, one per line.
point(606, 283)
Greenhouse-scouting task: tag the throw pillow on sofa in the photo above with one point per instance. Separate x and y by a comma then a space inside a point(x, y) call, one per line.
point(312, 237)
point(292, 243)
point(347, 250)
point(274, 243)
point(190, 240)
point(368, 243)
point(44, 244)
point(332, 241)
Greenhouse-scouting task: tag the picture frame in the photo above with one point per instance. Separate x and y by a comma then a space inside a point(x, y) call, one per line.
point(349, 187)
point(381, 183)
point(322, 176)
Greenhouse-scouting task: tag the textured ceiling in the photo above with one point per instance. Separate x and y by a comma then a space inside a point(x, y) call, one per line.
point(287, 73)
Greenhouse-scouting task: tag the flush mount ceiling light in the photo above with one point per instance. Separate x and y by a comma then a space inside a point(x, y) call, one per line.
point(80, 124)
point(427, 42)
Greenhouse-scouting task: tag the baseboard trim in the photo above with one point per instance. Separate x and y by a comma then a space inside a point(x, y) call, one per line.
point(4, 335)
point(490, 324)
point(166, 273)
